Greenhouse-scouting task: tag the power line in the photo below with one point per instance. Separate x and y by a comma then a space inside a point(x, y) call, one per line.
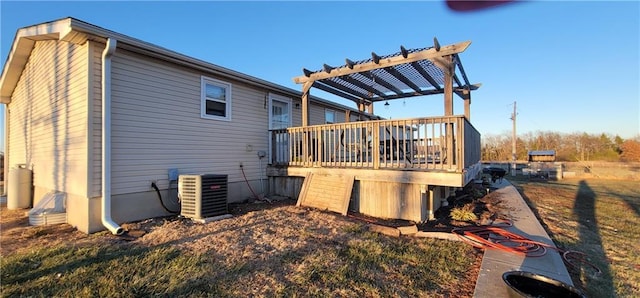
point(513, 140)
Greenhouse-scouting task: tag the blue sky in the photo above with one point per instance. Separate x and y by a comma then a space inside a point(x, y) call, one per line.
point(571, 66)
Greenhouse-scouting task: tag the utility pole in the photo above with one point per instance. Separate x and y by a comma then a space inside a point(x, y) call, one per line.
point(513, 141)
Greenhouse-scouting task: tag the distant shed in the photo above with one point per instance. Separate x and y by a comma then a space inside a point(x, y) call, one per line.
point(542, 156)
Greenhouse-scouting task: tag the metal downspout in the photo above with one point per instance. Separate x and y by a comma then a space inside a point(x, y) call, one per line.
point(6, 149)
point(108, 223)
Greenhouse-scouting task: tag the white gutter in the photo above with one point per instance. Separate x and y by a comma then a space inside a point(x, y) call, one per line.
point(106, 138)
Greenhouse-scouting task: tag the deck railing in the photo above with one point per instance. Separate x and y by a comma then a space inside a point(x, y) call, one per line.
point(435, 143)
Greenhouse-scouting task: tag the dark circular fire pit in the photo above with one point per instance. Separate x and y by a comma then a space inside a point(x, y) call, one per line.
point(527, 284)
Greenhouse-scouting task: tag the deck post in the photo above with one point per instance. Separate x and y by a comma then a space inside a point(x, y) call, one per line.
point(460, 145)
point(466, 97)
point(274, 158)
point(375, 150)
point(319, 152)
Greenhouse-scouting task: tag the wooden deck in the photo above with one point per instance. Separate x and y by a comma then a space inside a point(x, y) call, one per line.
point(448, 144)
point(402, 168)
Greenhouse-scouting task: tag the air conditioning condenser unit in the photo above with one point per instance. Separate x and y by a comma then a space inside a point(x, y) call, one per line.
point(202, 196)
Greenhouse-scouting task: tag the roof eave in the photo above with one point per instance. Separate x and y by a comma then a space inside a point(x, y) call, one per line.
point(139, 46)
point(21, 49)
point(77, 31)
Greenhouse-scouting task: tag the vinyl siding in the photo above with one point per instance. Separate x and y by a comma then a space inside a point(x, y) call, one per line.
point(316, 115)
point(48, 115)
point(156, 126)
point(95, 95)
point(296, 118)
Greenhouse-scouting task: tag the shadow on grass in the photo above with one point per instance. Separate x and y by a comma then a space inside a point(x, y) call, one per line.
point(39, 266)
point(590, 241)
point(630, 197)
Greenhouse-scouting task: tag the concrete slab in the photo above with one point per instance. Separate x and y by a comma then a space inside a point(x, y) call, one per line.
point(495, 263)
point(210, 219)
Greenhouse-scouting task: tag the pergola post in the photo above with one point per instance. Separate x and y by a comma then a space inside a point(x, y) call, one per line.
point(370, 108)
point(447, 67)
point(466, 97)
point(305, 120)
point(448, 85)
point(306, 87)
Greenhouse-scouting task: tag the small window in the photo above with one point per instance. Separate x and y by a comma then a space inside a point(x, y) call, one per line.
point(329, 116)
point(215, 99)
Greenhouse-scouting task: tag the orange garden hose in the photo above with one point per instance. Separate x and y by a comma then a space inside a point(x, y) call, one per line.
point(495, 237)
point(501, 239)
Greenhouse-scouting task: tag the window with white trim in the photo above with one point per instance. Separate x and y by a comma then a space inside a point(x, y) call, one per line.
point(329, 116)
point(215, 99)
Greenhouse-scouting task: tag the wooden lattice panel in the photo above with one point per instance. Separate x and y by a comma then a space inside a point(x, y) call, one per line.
point(326, 192)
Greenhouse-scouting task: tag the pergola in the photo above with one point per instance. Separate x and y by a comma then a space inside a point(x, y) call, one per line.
point(408, 73)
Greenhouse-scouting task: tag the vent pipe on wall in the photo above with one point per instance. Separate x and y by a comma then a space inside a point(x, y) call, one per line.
point(108, 223)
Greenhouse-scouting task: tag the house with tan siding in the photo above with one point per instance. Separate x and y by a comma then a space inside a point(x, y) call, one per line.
point(100, 116)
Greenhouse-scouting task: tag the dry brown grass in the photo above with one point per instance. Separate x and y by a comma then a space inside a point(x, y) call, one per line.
point(264, 250)
point(598, 217)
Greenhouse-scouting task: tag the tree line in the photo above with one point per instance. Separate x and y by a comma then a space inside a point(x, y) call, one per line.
point(568, 146)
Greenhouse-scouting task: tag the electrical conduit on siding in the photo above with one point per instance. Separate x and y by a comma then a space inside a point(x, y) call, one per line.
point(108, 223)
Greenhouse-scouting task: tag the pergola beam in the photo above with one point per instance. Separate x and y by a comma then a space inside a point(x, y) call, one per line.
point(455, 78)
point(408, 94)
point(363, 86)
point(337, 92)
point(402, 78)
point(343, 88)
point(458, 91)
point(382, 82)
point(456, 58)
point(425, 75)
point(461, 90)
point(386, 62)
point(444, 63)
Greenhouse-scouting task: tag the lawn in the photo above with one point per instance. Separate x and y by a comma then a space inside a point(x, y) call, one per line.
point(600, 218)
point(280, 250)
point(275, 251)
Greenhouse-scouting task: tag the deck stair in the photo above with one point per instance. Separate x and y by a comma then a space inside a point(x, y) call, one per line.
point(326, 192)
